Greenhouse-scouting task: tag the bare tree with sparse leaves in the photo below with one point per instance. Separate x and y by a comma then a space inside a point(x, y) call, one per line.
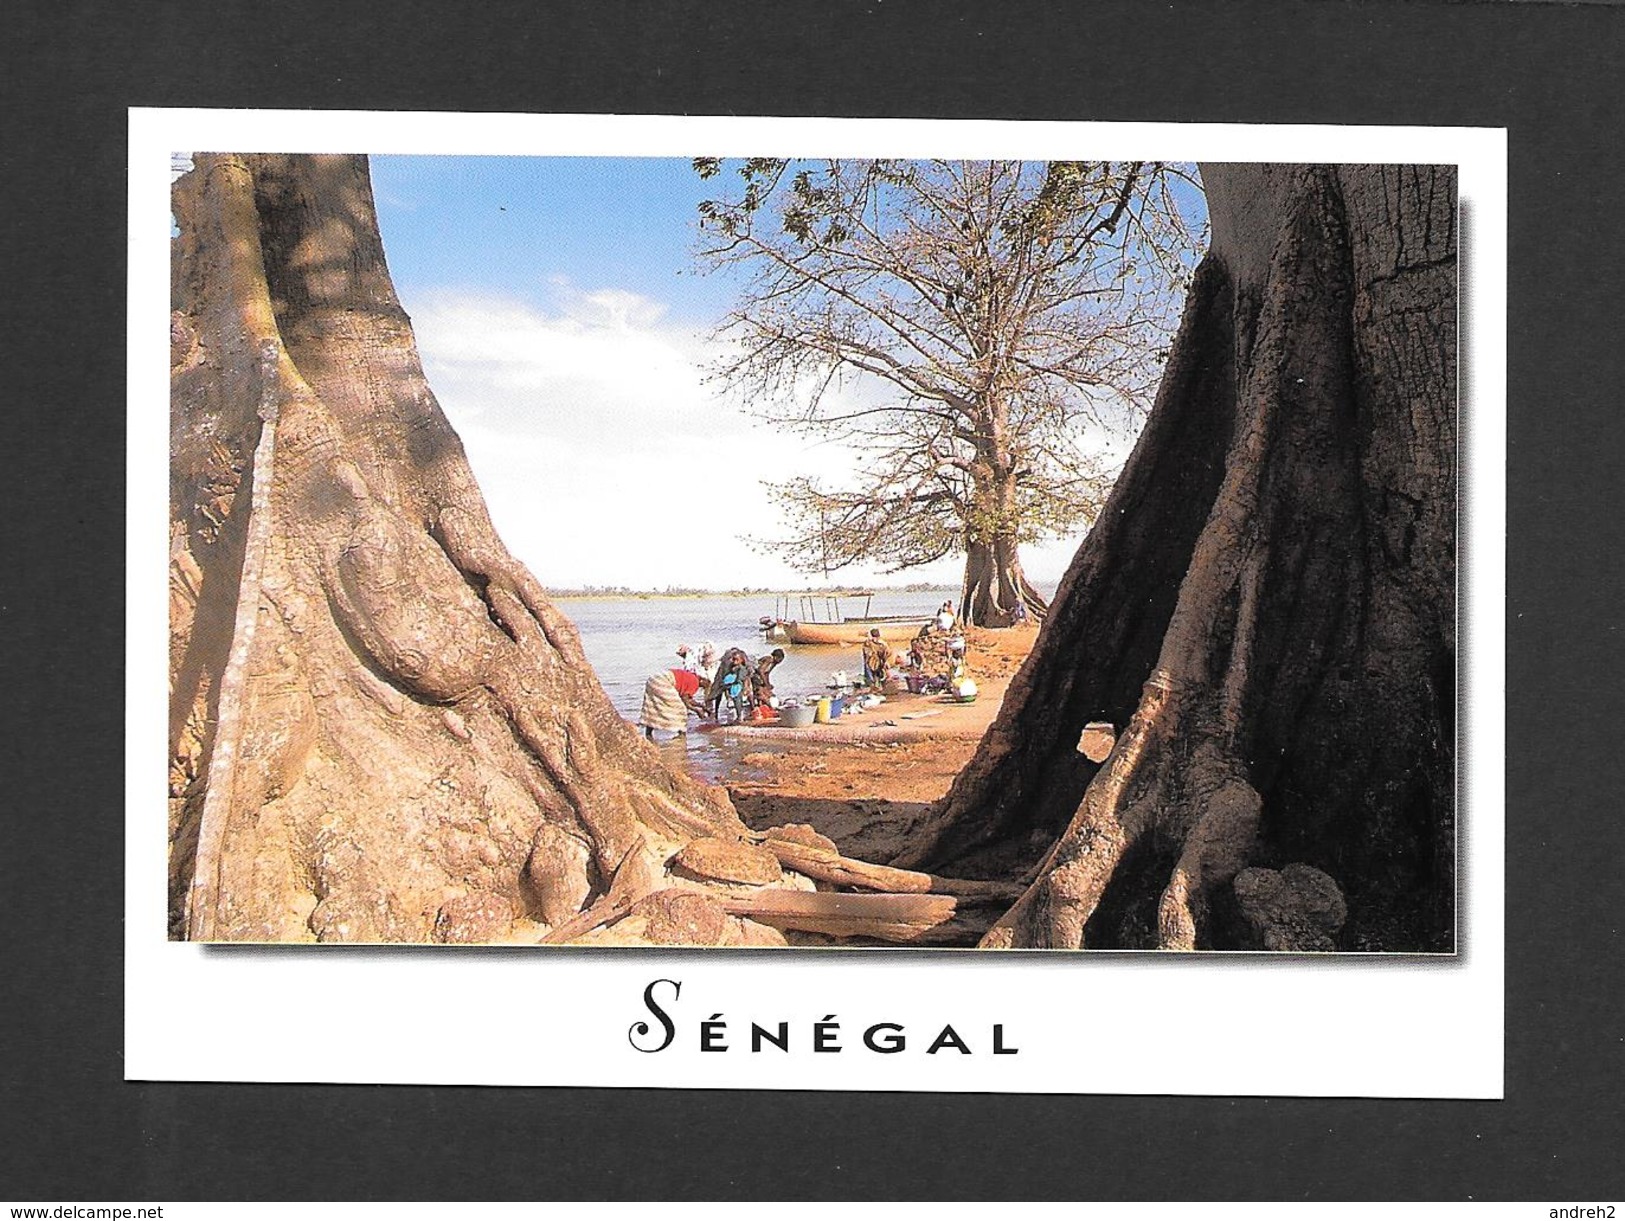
point(980, 319)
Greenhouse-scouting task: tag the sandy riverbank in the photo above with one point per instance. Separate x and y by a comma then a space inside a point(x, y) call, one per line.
point(867, 779)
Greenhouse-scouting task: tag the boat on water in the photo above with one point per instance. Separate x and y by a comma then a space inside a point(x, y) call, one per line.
point(820, 619)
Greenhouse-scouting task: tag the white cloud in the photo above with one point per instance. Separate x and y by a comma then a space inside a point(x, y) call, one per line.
point(604, 455)
point(601, 365)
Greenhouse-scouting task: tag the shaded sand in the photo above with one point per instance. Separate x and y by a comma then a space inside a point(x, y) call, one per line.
point(868, 780)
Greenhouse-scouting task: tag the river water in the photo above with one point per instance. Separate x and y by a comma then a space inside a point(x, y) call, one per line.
point(628, 639)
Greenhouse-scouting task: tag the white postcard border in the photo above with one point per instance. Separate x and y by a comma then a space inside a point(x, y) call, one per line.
point(1367, 1026)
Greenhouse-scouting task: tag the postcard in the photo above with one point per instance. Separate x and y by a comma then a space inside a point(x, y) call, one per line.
point(811, 603)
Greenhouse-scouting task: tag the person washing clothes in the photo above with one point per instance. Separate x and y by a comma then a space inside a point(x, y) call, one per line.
point(761, 679)
point(730, 685)
point(668, 698)
point(876, 657)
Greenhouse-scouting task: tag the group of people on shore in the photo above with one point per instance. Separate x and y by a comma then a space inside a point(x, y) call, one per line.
point(936, 655)
point(704, 682)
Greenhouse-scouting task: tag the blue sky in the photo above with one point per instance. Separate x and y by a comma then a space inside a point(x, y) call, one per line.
point(566, 330)
point(511, 224)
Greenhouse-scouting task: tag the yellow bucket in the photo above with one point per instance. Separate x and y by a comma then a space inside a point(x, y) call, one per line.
point(822, 715)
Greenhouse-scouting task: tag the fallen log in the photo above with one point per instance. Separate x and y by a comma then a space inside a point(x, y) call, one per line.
point(838, 870)
point(973, 890)
point(885, 917)
point(910, 906)
point(964, 931)
point(628, 886)
point(827, 866)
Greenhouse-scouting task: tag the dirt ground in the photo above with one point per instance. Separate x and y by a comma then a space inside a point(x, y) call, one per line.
point(866, 779)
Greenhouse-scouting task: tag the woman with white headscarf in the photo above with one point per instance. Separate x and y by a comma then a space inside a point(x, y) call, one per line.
point(705, 664)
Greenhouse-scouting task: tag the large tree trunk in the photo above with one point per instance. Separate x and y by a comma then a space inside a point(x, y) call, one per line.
point(381, 730)
point(995, 585)
point(1265, 608)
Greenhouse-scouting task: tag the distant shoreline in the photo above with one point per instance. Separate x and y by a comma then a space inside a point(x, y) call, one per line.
point(593, 594)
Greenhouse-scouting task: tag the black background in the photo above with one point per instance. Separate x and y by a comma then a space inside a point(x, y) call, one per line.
point(73, 1129)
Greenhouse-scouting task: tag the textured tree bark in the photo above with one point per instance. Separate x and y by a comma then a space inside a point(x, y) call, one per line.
point(381, 729)
point(995, 585)
point(1266, 607)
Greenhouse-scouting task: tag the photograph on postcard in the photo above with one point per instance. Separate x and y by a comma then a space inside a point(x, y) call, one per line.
point(846, 552)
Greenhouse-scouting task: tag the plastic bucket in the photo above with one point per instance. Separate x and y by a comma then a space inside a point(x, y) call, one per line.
point(797, 717)
point(822, 716)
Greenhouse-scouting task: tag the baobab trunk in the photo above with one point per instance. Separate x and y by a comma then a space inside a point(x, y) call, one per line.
point(1265, 608)
point(995, 585)
point(381, 729)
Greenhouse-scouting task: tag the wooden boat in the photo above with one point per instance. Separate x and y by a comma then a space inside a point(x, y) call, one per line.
point(853, 631)
point(815, 624)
